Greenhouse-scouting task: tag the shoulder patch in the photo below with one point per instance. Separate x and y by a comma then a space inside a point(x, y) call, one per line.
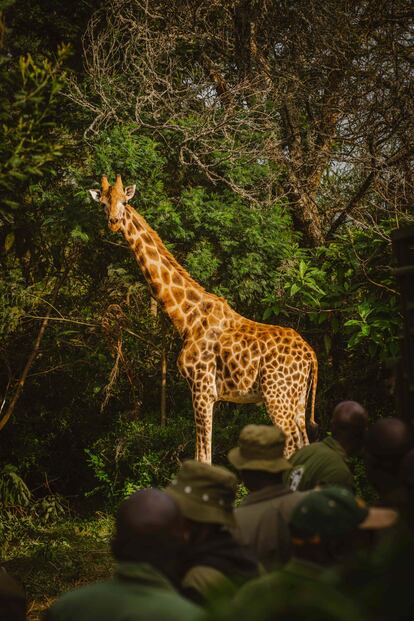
point(295, 477)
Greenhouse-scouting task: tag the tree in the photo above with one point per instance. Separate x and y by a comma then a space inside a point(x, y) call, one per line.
point(317, 94)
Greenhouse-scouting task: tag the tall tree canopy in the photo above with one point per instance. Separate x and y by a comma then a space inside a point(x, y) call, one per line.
point(317, 95)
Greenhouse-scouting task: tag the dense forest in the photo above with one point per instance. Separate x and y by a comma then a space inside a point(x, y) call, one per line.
point(271, 143)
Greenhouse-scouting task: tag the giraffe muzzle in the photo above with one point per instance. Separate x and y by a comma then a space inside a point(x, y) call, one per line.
point(113, 220)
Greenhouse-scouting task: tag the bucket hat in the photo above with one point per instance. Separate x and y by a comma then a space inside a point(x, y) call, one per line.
point(260, 448)
point(204, 493)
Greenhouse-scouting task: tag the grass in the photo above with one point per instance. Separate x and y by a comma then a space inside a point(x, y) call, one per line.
point(49, 559)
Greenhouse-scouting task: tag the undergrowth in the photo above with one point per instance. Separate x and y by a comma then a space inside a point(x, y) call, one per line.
point(49, 558)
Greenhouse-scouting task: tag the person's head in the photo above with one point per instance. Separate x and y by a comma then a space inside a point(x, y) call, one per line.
point(149, 529)
point(348, 426)
point(12, 598)
point(205, 495)
point(387, 441)
point(259, 456)
point(328, 523)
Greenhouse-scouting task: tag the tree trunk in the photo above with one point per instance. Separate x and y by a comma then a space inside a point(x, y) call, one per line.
point(33, 354)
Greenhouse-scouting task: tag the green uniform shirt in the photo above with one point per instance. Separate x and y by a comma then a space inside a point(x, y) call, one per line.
point(137, 592)
point(298, 591)
point(262, 519)
point(320, 463)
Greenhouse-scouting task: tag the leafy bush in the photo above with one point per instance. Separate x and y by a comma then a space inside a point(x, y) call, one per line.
point(139, 454)
point(14, 493)
point(346, 288)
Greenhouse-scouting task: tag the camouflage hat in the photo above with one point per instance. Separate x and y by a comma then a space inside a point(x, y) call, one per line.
point(205, 493)
point(260, 448)
point(334, 511)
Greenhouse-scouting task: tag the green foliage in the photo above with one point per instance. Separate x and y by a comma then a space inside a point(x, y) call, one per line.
point(33, 549)
point(14, 493)
point(139, 454)
point(13, 301)
point(28, 109)
point(237, 248)
point(51, 508)
point(231, 247)
point(345, 289)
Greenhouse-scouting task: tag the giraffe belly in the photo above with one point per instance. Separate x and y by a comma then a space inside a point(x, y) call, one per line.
point(239, 396)
point(238, 393)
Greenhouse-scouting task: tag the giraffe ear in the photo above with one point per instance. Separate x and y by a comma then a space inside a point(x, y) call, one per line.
point(129, 192)
point(96, 194)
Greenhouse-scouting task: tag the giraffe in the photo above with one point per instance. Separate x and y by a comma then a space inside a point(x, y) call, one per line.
point(225, 356)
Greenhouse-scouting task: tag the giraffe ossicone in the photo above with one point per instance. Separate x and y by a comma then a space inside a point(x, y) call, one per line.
point(225, 357)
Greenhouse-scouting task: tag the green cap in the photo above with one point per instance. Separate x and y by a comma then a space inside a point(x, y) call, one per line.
point(260, 448)
point(205, 493)
point(334, 511)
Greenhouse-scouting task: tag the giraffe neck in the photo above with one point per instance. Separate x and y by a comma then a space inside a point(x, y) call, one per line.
point(181, 297)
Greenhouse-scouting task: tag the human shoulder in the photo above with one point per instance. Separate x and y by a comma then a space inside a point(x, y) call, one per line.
point(205, 580)
point(263, 585)
point(113, 600)
point(78, 603)
point(306, 451)
point(338, 474)
point(287, 594)
point(321, 463)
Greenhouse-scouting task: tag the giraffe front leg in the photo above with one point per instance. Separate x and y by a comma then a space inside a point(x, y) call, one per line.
point(203, 405)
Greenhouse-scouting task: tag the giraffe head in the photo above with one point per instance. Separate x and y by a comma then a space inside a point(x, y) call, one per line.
point(114, 198)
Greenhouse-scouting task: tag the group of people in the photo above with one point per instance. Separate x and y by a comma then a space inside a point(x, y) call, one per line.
point(300, 544)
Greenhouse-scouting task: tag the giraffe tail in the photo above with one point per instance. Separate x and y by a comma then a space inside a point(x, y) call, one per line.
point(314, 381)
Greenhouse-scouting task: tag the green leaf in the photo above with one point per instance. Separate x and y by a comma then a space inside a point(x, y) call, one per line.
point(268, 312)
point(9, 241)
point(327, 341)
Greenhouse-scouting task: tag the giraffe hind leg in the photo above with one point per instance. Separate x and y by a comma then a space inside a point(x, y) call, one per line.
point(285, 419)
point(281, 408)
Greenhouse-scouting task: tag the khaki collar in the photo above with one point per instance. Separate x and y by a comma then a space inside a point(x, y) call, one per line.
point(267, 493)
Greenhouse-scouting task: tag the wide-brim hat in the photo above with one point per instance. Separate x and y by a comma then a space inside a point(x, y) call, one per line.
point(260, 448)
point(205, 493)
point(379, 517)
